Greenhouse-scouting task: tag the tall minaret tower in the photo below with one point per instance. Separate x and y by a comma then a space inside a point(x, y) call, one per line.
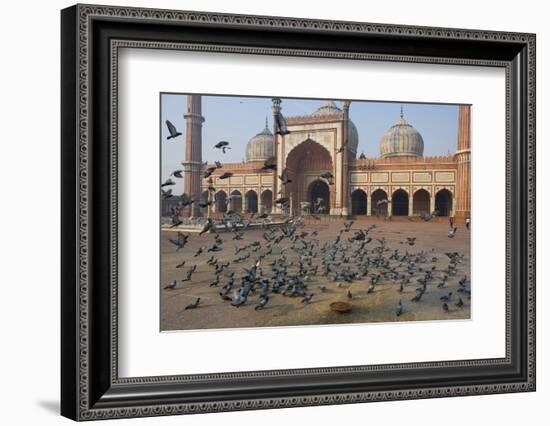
point(193, 152)
point(345, 157)
point(278, 141)
point(462, 156)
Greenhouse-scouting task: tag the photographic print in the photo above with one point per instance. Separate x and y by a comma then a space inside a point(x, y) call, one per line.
point(282, 211)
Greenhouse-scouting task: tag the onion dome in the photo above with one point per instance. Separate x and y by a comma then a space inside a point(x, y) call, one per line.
point(260, 147)
point(402, 140)
point(330, 108)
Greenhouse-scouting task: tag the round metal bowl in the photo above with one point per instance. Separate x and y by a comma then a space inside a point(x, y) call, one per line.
point(341, 307)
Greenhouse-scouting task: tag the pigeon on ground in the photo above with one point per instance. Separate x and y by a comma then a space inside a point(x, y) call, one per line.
point(399, 309)
point(194, 304)
point(171, 286)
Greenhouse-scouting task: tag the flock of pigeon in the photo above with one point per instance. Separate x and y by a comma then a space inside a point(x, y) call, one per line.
point(288, 258)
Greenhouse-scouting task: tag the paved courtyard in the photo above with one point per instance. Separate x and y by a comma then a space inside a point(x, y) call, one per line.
point(377, 306)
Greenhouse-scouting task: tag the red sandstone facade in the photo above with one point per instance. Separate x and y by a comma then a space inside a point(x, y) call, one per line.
point(327, 141)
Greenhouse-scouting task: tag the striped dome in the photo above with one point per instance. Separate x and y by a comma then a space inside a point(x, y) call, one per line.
point(329, 108)
point(402, 140)
point(260, 147)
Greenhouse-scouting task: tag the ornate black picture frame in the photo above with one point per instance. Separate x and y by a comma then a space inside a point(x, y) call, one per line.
point(91, 37)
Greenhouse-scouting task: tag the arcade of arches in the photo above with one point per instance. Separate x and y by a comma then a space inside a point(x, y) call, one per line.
point(378, 202)
point(401, 203)
point(239, 204)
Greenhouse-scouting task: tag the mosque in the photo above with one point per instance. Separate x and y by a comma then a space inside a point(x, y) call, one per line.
point(327, 140)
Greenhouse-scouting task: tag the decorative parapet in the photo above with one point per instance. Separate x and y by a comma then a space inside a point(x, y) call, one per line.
point(365, 164)
point(251, 167)
point(314, 118)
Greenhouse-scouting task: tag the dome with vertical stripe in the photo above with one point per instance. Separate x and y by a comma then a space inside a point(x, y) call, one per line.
point(330, 108)
point(260, 147)
point(402, 140)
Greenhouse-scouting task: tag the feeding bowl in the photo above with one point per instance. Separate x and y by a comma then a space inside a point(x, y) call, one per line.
point(341, 307)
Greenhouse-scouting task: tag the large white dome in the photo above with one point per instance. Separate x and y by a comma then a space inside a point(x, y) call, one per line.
point(402, 140)
point(330, 108)
point(260, 147)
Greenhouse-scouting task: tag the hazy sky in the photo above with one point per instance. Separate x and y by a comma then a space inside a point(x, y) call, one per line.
point(238, 119)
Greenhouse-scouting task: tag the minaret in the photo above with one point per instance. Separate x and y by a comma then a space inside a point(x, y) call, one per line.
point(193, 152)
point(462, 157)
point(277, 152)
point(345, 161)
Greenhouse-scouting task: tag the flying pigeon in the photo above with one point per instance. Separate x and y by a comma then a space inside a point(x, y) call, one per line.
point(223, 145)
point(280, 125)
point(173, 131)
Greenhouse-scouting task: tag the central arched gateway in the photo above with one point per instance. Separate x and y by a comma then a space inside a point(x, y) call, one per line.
point(319, 195)
point(304, 165)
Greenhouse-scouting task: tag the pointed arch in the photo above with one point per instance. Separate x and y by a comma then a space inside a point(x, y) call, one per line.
point(236, 201)
point(400, 203)
point(204, 200)
point(421, 202)
point(379, 207)
point(267, 201)
point(319, 195)
point(358, 202)
point(221, 201)
point(444, 202)
point(304, 164)
point(251, 201)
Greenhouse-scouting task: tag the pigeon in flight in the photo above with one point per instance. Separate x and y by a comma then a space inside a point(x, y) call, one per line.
point(177, 174)
point(223, 145)
point(280, 125)
point(208, 172)
point(269, 164)
point(207, 226)
point(173, 131)
point(186, 200)
point(181, 241)
point(226, 175)
point(168, 182)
